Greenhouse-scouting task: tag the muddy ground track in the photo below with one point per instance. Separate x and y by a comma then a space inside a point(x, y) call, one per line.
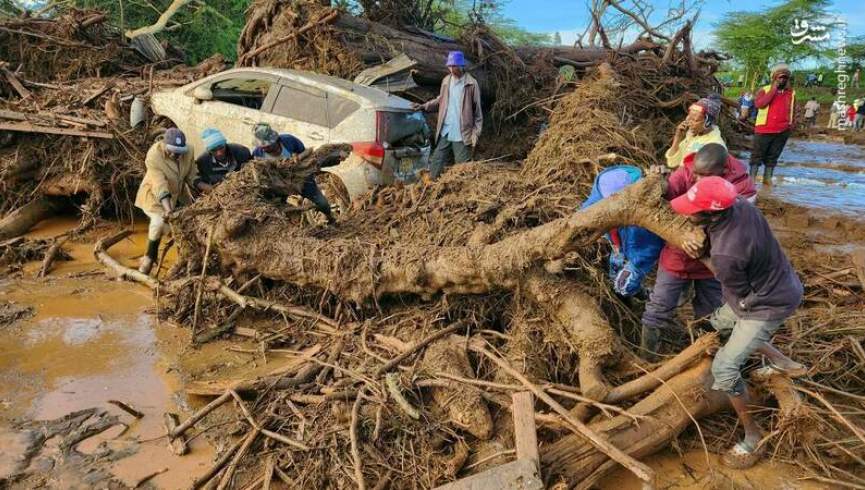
point(407, 312)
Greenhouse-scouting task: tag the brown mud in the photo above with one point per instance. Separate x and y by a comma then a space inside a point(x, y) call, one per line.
point(91, 340)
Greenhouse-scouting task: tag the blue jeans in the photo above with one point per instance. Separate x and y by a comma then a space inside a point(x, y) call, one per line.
point(745, 337)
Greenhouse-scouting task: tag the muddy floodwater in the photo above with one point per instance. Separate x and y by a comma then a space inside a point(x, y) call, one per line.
point(826, 176)
point(91, 340)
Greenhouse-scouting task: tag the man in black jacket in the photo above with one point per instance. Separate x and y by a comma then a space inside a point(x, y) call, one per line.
point(760, 290)
point(220, 157)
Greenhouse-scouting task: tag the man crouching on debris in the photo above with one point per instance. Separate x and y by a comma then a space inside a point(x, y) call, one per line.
point(220, 158)
point(169, 167)
point(275, 146)
point(760, 290)
point(460, 116)
point(635, 250)
point(677, 271)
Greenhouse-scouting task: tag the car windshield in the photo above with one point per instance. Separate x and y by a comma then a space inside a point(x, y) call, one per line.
point(403, 127)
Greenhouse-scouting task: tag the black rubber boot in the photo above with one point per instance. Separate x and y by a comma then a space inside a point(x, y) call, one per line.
point(753, 172)
point(150, 257)
point(767, 175)
point(650, 341)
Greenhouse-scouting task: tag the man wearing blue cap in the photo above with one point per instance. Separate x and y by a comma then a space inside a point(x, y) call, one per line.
point(460, 116)
point(220, 157)
point(635, 250)
point(170, 167)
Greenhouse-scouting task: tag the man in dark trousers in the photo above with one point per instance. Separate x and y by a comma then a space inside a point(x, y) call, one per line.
point(220, 157)
point(676, 270)
point(775, 105)
point(760, 291)
point(460, 116)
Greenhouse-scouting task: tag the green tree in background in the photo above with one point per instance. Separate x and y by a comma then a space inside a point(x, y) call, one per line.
point(199, 28)
point(756, 40)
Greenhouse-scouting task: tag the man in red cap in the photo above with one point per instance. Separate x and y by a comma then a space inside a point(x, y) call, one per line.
point(776, 104)
point(760, 290)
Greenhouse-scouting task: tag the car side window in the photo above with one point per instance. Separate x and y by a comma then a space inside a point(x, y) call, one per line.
point(242, 91)
point(301, 104)
point(339, 108)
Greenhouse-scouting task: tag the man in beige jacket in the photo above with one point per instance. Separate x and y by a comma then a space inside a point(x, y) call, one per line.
point(169, 166)
point(460, 117)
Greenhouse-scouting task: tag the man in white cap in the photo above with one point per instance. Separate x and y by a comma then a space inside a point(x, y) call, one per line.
point(460, 116)
point(775, 105)
point(170, 167)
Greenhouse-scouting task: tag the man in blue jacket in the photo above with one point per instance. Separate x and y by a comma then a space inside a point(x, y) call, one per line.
point(635, 250)
point(275, 146)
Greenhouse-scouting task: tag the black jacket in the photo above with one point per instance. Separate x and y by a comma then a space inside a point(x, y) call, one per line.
point(213, 172)
point(757, 280)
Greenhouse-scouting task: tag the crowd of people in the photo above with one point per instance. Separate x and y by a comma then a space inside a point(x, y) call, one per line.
point(741, 282)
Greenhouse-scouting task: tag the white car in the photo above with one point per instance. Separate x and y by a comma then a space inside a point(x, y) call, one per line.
point(390, 141)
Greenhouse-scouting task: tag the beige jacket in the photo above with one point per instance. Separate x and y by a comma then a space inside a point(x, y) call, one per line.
point(164, 178)
point(471, 116)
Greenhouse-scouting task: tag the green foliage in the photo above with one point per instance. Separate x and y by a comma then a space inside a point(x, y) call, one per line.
point(200, 29)
point(464, 12)
point(758, 39)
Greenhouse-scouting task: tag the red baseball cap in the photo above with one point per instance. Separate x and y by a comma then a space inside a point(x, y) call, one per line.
point(709, 194)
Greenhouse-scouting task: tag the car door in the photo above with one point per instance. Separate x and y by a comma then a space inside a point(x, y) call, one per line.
point(238, 104)
point(301, 110)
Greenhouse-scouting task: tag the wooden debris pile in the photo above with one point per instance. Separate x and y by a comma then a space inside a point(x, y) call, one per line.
point(68, 85)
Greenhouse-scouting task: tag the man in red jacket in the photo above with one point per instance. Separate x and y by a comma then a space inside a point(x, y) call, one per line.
point(676, 269)
point(775, 104)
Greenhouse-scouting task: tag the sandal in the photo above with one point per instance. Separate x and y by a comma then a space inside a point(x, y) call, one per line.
point(774, 370)
point(742, 456)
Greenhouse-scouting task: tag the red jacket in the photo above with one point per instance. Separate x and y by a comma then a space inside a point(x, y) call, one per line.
point(851, 113)
point(674, 260)
point(777, 104)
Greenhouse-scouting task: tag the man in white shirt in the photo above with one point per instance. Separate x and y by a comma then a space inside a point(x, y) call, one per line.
point(835, 113)
point(812, 107)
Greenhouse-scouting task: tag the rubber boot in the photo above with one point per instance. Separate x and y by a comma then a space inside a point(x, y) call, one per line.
point(767, 176)
point(149, 258)
point(753, 172)
point(650, 341)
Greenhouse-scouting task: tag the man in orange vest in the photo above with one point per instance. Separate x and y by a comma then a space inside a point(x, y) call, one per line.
point(775, 104)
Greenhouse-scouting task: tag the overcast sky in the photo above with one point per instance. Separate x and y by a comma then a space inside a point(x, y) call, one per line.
point(570, 17)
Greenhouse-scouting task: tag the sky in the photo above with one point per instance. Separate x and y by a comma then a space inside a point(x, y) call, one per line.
point(570, 17)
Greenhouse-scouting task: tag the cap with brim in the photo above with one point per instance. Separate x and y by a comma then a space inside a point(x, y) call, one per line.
point(708, 194)
point(175, 141)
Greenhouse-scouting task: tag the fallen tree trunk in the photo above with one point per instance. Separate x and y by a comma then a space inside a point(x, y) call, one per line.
point(342, 265)
point(668, 411)
point(21, 220)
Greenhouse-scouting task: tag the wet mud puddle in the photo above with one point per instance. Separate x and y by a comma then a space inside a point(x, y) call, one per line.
point(825, 176)
point(88, 341)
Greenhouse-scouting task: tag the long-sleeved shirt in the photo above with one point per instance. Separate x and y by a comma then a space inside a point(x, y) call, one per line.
point(757, 280)
point(691, 144)
point(212, 171)
point(675, 261)
point(471, 113)
point(164, 178)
